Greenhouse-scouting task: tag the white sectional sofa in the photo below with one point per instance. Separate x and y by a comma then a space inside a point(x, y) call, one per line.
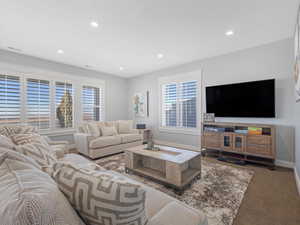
point(93, 139)
point(30, 196)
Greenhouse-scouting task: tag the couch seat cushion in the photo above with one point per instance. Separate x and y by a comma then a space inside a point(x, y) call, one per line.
point(29, 196)
point(102, 142)
point(126, 138)
point(177, 213)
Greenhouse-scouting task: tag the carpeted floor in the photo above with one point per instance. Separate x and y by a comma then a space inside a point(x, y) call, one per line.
point(271, 197)
point(218, 193)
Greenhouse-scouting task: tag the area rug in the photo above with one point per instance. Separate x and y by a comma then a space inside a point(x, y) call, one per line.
point(218, 193)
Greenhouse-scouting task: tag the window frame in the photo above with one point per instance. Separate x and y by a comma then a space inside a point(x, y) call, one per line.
point(100, 106)
point(177, 79)
point(25, 109)
point(24, 73)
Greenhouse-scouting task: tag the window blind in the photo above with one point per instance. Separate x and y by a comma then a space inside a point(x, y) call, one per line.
point(187, 104)
point(38, 103)
point(169, 106)
point(10, 99)
point(92, 103)
point(64, 105)
point(179, 105)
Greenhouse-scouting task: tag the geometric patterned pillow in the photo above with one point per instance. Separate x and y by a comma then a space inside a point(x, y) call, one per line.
point(21, 139)
point(39, 152)
point(8, 130)
point(100, 197)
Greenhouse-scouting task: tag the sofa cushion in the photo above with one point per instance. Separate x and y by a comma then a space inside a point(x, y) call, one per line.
point(6, 142)
point(126, 138)
point(108, 131)
point(8, 130)
point(125, 126)
point(100, 197)
point(39, 152)
point(103, 141)
point(94, 129)
point(177, 213)
point(21, 139)
point(29, 196)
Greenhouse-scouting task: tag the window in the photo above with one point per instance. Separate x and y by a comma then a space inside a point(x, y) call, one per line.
point(92, 103)
point(38, 103)
point(179, 104)
point(48, 104)
point(10, 99)
point(64, 105)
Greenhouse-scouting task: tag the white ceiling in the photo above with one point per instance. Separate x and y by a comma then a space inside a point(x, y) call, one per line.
point(132, 32)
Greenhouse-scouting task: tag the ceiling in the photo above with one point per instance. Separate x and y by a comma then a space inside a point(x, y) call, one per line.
point(131, 33)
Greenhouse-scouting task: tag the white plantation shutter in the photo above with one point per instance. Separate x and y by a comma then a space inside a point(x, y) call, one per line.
point(10, 99)
point(187, 100)
point(169, 106)
point(38, 103)
point(64, 105)
point(179, 105)
point(92, 103)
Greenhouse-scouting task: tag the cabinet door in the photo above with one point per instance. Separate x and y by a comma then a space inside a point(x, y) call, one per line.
point(226, 141)
point(259, 145)
point(211, 140)
point(239, 142)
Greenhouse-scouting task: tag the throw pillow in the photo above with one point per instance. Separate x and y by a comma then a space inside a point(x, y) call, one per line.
point(39, 152)
point(108, 131)
point(125, 126)
point(101, 197)
point(94, 129)
point(29, 196)
point(8, 130)
point(21, 139)
point(6, 142)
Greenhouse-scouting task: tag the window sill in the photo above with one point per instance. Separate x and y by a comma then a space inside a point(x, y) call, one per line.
point(192, 131)
point(58, 132)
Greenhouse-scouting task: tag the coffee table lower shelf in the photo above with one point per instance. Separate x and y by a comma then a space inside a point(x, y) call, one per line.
point(188, 176)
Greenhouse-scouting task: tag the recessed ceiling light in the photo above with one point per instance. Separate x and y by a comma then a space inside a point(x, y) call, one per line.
point(94, 24)
point(60, 51)
point(229, 33)
point(160, 56)
point(121, 68)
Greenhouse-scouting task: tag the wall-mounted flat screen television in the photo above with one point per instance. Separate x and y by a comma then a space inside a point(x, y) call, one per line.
point(250, 99)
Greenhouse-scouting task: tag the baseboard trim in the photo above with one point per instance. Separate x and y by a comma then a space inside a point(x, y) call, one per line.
point(297, 178)
point(283, 163)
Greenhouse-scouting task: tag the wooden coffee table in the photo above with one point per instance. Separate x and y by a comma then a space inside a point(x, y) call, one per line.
point(173, 167)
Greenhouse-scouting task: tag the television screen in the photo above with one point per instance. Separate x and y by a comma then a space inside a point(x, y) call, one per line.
point(250, 99)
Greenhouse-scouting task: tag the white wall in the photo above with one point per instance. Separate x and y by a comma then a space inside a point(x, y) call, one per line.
point(273, 60)
point(116, 88)
point(297, 137)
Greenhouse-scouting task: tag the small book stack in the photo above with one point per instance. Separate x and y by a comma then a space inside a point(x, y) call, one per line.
point(254, 131)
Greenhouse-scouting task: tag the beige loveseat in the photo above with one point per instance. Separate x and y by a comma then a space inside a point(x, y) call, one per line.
point(91, 140)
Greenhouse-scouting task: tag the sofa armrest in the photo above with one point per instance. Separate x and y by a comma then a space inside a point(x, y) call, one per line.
point(82, 141)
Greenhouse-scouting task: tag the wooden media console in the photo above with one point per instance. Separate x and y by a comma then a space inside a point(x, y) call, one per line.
point(235, 141)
